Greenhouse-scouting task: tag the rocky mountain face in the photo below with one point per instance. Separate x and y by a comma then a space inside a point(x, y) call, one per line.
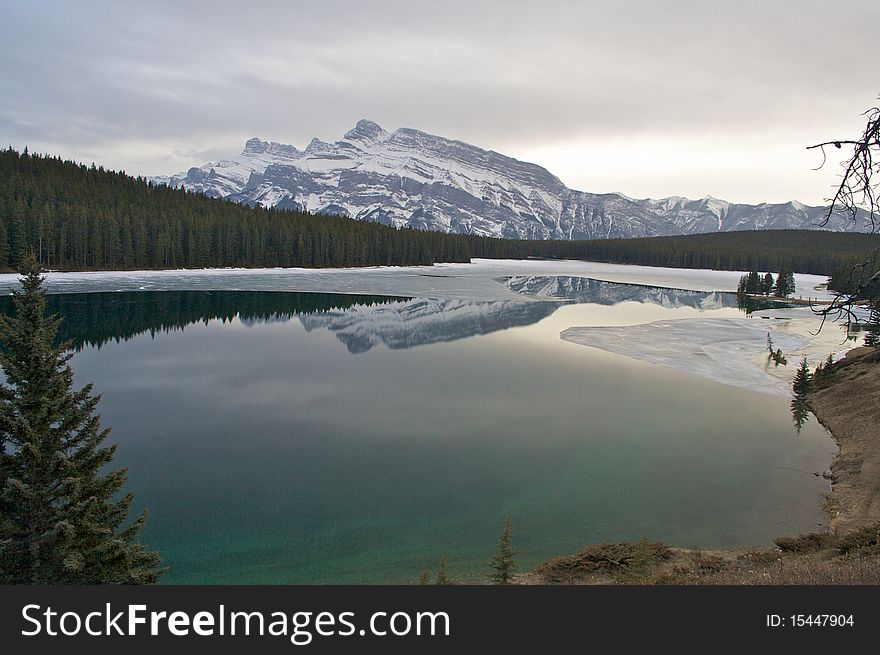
point(411, 178)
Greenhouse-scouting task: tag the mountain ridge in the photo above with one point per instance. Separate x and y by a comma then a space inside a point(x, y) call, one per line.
point(410, 178)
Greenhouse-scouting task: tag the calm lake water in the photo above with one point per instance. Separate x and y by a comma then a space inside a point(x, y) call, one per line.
point(318, 438)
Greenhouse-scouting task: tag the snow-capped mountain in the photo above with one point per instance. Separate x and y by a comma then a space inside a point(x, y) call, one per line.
point(411, 178)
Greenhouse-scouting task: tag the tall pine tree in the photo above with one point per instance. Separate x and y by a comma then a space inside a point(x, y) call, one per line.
point(442, 575)
point(803, 379)
point(801, 386)
point(502, 564)
point(61, 521)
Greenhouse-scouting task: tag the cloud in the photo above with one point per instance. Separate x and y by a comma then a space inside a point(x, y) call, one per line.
point(684, 88)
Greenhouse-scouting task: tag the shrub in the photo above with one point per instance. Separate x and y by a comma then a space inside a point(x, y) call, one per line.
point(804, 543)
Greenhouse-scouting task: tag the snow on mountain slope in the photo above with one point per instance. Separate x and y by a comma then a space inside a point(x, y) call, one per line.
point(713, 215)
point(412, 178)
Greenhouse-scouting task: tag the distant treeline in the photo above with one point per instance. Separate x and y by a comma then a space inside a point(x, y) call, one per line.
point(94, 319)
point(802, 251)
point(856, 276)
point(76, 217)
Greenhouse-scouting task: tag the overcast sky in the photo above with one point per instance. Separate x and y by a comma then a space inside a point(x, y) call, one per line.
point(649, 98)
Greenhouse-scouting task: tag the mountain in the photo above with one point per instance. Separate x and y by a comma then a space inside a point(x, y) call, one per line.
point(411, 178)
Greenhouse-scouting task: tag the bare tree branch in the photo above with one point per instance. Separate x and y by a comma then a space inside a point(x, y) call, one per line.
point(857, 194)
point(857, 190)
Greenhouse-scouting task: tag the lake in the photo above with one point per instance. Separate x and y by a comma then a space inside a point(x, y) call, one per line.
point(336, 438)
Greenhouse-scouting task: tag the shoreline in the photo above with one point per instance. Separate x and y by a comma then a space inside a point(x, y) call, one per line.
point(846, 405)
point(847, 552)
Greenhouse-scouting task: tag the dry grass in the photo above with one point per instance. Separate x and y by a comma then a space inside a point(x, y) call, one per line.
point(602, 563)
point(799, 570)
point(805, 543)
point(852, 559)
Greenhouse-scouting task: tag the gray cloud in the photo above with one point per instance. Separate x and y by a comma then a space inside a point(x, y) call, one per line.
point(154, 87)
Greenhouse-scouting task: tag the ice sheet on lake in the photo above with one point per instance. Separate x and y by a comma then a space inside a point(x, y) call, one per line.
point(475, 281)
point(808, 286)
point(726, 350)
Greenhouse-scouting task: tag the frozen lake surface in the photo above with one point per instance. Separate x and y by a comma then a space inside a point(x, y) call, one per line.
point(720, 351)
point(473, 281)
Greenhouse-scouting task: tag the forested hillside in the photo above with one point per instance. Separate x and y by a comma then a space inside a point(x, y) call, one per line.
point(76, 217)
point(86, 218)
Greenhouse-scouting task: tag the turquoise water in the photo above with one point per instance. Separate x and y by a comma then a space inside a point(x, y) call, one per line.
point(315, 438)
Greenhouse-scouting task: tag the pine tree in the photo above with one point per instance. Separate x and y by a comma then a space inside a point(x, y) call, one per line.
point(785, 285)
point(502, 562)
point(803, 383)
point(803, 380)
point(824, 369)
point(442, 577)
point(425, 577)
point(753, 283)
point(60, 519)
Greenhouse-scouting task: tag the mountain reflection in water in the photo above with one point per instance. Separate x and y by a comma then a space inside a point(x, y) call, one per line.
point(359, 322)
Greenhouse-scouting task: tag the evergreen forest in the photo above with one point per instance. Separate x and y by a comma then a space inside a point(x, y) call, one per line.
point(75, 217)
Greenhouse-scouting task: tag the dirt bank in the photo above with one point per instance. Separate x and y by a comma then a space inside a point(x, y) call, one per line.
point(848, 404)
